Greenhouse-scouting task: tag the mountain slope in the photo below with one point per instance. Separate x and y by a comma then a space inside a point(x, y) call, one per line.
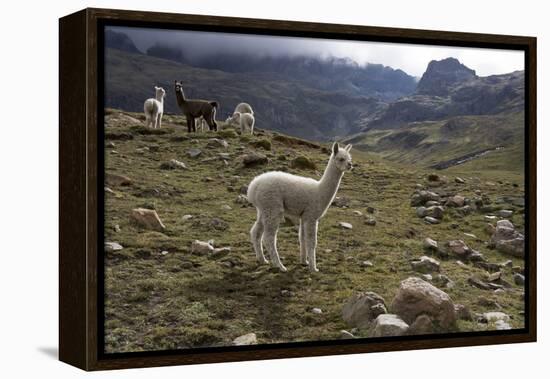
point(283, 105)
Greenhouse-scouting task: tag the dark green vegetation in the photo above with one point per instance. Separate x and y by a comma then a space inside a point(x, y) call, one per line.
point(160, 295)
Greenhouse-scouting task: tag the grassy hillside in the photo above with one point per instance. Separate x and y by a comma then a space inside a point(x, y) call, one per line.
point(430, 142)
point(160, 295)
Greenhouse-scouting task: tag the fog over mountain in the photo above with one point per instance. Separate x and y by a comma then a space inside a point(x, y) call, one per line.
point(410, 58)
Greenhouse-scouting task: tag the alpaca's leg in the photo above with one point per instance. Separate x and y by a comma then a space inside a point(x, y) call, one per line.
point(301, 238)
point(188, 119)
point(159, 120)
point(147, 120)
point(271, 225)
point(155, 120)
point(310, 228)
point(256, 237)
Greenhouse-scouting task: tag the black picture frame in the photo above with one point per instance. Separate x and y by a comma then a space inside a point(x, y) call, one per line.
point(81, 188)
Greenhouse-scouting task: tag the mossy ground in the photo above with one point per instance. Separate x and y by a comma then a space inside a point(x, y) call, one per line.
point(158, 295)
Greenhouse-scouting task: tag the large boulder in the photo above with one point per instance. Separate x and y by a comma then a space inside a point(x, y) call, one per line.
point(416, 297)
point(254, 159)
point(507, 239)
point(362, 308)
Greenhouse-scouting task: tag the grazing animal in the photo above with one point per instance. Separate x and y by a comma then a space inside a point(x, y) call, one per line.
point(279, 194)
point(199, 122)
point(244, 120)
point(243, 108)
point(154, 108)
point(193, 109)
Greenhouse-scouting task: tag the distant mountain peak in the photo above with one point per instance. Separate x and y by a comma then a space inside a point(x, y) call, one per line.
point(441, 75)
point(120, 41)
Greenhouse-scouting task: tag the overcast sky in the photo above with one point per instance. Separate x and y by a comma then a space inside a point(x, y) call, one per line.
point(413, 59)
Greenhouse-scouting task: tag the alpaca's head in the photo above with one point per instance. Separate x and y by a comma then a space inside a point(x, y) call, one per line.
point(234, 118)
point(160, 93)
point(178, 86)
point(341, 157)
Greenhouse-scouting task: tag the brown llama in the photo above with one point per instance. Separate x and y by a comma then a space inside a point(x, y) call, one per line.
point(196, 108)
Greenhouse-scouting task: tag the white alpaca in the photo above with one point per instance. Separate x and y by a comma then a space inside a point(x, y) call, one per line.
point(244, 120)
point(243, 108)
point(154, 108)
point(199, 122)
point(279, 194)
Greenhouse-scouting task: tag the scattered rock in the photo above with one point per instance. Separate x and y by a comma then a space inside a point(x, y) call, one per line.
point(186, 217)
point(317, 311)
point(345, 335)
point(345, 225)
point(425, 265)
point(416, 297)
point(433, 178)
point(459, 180)
point(243, 190)
point(201, 247)
point(455, 201)
point(430, 245)
point(225, 207)
point(173, 164)
point(435, 212)
point(389, 325)
point(247, 339)
point(358, 213)
point(431, 220)
point(427, 277)
point(219, 224)
point(242, 199)
point(370, 210)
point(254, 159)
point(463, 312)
point(117, 180)
point(362, 308)
point(216, 142)
point(112, 246)
point(507, 240)
point(303, 162)
point(366, 264)
point(147, 218)
point(519, 279)
point(459, 248)
point(341, 202)
point(370, 222)
point(108, 190)
point(423, 324)
point(194, 153)
point(421, 211)
point(421, 197)
point(505, 213)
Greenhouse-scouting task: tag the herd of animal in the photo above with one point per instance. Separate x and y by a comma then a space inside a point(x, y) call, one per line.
point(196, 111)
point(275, 194)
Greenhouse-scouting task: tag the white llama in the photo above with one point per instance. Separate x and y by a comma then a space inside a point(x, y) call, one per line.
point(243, 108)
point(279, 194)
point(244, 120)
point(154, 108)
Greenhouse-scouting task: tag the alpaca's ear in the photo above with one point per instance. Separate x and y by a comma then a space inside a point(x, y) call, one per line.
point(335, 147)
point(348, 147)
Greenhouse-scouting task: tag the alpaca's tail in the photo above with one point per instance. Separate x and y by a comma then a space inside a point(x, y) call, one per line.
point(251, 192)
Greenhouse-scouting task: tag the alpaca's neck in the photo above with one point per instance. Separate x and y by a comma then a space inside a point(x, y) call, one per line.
point(329, 183)
point(160, 98)
point(180, 97)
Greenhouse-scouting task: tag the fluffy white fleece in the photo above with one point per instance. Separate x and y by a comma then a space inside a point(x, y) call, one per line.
point(154, 108)
point(279, 194)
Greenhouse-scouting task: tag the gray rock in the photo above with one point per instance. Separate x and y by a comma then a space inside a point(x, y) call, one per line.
point(217, 142)
point(194, 153)
point(423, 324)
point(219, 224)
point(147, 218)
point(186, 217)
point(247, 339)
point(173, 164)
point(201, 247)
point(459, 248)
point(389, 325)
point(456, 201)
point(431, 220)
point(345, 335)
point(430, 244)
point(254, 159)
point(459, 180)
point(435, 212)
point(505, 213)
point(416, 297)
point(112, 246)
point(242, 199)
point(362, 308)
point(463, 312)
point(519, 279)
point(317, 311)
point(432, 203)
point(345, 225)
point(421, 211)
point(370, 222)
point(366, 264)
point(425, 265)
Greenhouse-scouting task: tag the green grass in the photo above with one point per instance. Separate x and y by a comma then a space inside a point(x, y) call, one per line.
point(158, 301)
